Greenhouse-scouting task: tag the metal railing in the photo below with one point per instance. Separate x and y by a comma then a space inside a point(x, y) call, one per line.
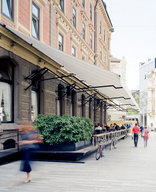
point(108, 136)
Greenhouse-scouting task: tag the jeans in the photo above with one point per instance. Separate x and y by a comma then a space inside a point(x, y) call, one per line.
point(135, 139)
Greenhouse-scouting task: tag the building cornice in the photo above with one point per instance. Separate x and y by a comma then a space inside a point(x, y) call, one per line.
point(61, 24)
point(43, 2)
point(84, 16)
point(103, 11)
point(103, 43)
point(91, 27)
point(76, 3)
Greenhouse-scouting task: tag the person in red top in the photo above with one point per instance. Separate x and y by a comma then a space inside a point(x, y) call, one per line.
point(136, 131)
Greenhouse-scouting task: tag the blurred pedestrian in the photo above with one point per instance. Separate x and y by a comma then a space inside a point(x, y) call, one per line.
point(29, 141)
point(135, 131)
point(145, 135)
point(141, 130)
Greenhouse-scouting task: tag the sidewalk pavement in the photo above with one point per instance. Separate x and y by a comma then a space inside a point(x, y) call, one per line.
point(125, 169)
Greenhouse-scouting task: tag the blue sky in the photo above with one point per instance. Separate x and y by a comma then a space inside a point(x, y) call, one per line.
point(134, 36)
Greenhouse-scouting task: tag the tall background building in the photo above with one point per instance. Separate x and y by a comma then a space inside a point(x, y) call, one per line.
point(144, 86)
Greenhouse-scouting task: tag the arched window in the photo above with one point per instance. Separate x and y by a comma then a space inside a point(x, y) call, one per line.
point(6, 91)
point(34, 104)
point(73, 103)
point(83, 105)
point(35, 98)
point(60, 100)
point(90, 108)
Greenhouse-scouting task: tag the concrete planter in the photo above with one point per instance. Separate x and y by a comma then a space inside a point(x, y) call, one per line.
point(65, 146)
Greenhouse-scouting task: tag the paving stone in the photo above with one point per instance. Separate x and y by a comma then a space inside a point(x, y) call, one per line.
point(125, 169)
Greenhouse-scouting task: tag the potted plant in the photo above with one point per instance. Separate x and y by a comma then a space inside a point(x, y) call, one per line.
point(64, 133)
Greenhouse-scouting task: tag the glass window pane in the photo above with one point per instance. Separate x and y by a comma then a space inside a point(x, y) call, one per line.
point(5, 102)
point(60, 43)
point(35, 21)
point(61, 5)
point(73, 51)
point(34, 28)
point(58, 107)
point(7, 8)
point(34, 105)
point(35, 11)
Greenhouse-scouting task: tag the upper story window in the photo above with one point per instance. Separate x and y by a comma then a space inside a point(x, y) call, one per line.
point(61, 5)
point(108, 43)
point(83, 30)
point(60, 42)
point(101, 53)
point(74, 17)
point(73, 51)
point(100, 27)
point(35, 21)
point(7, 8)
point(104, 35)
point(105, 58)
point(6, 91)
point(91, 41)
point(91, 12)
point(83, 3)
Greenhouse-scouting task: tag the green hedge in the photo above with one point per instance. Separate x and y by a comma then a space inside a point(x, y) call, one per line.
point(63, 129)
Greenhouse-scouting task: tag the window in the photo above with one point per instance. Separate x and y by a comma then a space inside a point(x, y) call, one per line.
point(35, 97)
point(108, 43)
point(74, 17)
point(34, 105)
point(83, 3)
point(104, 35)
point(60, 100)
point(35, 21)
point(6, 91)
point(73, 51)
point(91, 41)
point(100, 27)
point(101, 53)
point(83, 108)
point(7, 8)
point(60, 42)
point(73, 103)
point(105, 58)
point(61, 5)
point(83, 30)
point(91, 12)
point(83, 58)
point(90, 108)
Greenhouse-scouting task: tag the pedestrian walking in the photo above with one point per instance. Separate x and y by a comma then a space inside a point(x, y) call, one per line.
point(141, 130)
point(29, 140)
point(135, 131)
point(145, 135)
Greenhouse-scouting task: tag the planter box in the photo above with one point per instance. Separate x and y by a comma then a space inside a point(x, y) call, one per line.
point(65, 146)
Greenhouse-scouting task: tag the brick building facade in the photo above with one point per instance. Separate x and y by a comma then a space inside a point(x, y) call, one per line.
point(31, 81)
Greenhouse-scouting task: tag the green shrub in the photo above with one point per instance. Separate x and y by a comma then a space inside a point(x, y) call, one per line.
point(63, 129)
